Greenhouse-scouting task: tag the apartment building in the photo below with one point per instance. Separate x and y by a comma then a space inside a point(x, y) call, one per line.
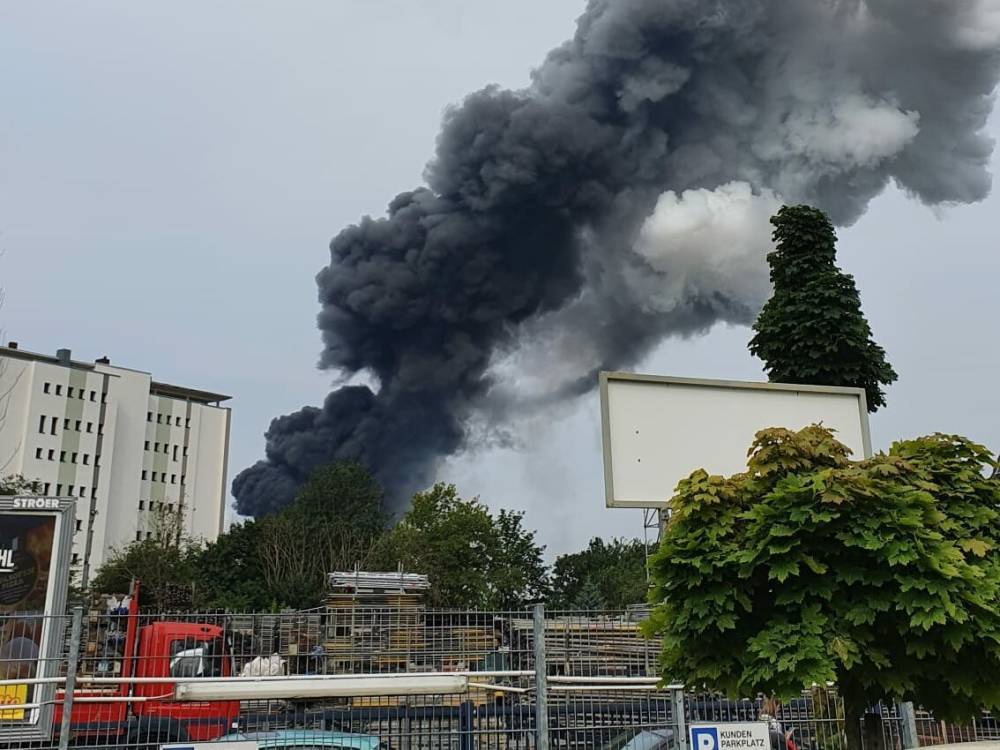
point(135, 453)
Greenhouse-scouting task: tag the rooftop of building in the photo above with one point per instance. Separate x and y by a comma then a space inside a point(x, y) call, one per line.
point(64, 358)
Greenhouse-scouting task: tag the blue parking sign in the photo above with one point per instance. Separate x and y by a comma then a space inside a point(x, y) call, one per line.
point(704, 738)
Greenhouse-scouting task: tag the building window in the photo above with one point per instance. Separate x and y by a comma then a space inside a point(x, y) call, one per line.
point(52, 427)
point(156, 447)
point(142, 505)
point(93, 395)
point(46, 387)
point(100, 428)
point(146, 446)
point(62, 457)
point(78, 423)
point(73, 459)
point(58, 389)
point(93, 492)
point(76, 558)
point(58, 489)
point(90, 426)
point(173, 479)
point(185, 451)
point(104, 398)
point(149, 534)
point(46, 488)
point(149, 416)
point(38, 453)
point(52, 454)
point(175, 453)
point(81, 394)
point(144, 474)
point(159, 419)
point(178, 422)
point(83, 492)
point(183, 478)
point(171, 506)
point(65, 424)
point(187, 422)
point(97, 459)
point(69, 391)
point(138, 536)
point(41, 424)
point(86, 459)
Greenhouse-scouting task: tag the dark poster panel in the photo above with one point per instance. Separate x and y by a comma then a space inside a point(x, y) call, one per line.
point(27, 543)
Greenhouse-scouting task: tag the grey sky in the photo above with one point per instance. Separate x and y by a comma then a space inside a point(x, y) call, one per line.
point(171, 174)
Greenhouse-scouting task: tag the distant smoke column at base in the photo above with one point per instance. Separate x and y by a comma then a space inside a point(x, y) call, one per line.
point(560, 211)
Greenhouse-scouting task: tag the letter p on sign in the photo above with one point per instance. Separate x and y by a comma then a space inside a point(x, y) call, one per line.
point(704, 738)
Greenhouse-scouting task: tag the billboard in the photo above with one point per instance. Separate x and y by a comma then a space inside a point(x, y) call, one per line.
point(36, 536)
point(657, 430)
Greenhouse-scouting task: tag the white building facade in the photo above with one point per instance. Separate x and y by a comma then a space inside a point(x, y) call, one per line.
point(131, 450)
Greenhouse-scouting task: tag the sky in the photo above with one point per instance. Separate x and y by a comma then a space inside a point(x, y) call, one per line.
point(171, 175)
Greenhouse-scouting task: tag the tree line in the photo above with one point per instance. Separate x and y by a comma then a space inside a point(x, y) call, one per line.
point(475, 558)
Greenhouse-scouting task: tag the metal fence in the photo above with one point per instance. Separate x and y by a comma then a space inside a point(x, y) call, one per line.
point(372, 677)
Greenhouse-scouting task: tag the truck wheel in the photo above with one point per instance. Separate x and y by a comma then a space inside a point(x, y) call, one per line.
point(149, 734)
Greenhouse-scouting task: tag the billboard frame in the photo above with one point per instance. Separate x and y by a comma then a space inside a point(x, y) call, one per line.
point(606, 377)
point(37, 725)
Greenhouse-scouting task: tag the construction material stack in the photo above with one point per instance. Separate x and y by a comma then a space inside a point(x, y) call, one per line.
point(374, 621)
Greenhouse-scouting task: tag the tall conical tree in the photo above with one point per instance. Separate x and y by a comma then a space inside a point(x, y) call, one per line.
point(812, 330)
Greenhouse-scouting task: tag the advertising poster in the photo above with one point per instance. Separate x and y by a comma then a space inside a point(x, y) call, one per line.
point(35, 542)
point(26, 546)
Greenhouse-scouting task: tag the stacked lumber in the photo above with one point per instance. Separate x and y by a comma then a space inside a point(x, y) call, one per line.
point(596, 646)
point(377, 588)
point(373, 621)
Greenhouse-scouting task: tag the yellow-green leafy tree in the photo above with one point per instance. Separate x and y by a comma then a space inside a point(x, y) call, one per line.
point(881, 575)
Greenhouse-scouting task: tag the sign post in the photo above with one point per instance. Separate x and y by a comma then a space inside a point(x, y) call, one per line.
point(36, 538)
point(749, 735)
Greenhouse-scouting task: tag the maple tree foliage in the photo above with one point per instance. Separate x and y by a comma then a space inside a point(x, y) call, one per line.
point(881, 575)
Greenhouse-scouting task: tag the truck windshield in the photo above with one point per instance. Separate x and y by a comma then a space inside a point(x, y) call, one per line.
point(191, 657)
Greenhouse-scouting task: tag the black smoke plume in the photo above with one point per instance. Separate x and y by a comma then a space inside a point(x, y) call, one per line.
point(616, 201)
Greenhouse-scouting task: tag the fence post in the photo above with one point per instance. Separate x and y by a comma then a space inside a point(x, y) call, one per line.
point(70, 685)
point(465, 725)
point(908, 726)
point(680, 718)
point(541, 681)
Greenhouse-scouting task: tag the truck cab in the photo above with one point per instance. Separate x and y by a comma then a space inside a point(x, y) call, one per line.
point(143, 712)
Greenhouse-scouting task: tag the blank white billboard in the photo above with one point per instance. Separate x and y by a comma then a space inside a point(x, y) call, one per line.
point(658, 430)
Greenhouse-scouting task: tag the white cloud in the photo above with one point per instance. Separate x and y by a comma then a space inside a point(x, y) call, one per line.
point(704, 243)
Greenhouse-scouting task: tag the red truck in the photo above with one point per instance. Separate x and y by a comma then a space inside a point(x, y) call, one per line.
point(144, 712)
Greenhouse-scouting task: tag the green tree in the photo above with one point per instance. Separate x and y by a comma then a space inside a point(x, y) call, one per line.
point(608, 575)
point(278, 561)
point(230, 575)
point(165, 563)
point(882, 575)
point(335, 523)
point(474, 559)
point(16, 484)
point(812, 331)
point(282, 560)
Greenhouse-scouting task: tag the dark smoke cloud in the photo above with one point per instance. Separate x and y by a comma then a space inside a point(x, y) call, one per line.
point(617, 201)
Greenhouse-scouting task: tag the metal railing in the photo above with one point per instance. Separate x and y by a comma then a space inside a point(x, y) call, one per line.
point(366, 678)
